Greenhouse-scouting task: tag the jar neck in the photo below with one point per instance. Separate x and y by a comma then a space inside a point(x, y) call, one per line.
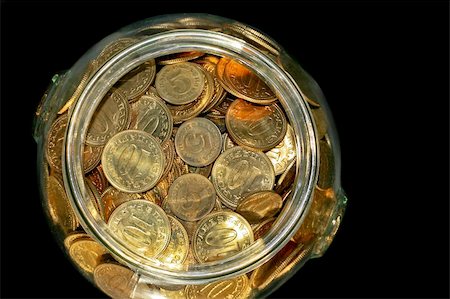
point(219, 44)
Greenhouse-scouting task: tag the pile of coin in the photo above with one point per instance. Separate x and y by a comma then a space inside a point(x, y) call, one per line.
point(189, 159)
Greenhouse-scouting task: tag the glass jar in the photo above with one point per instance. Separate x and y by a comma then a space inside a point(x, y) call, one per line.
point(242, 245)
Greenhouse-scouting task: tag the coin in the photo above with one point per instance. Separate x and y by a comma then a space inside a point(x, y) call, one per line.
point(112, 198)
point(114, 280)
point(254, 126)
point(178, 247)
point(262, 228)
point(136, 82)
point(151, 195)
point(59, 207)
point(179, 57)
point(244, 83)
point(326, 166)
point(55, 140)
point(191, 197)
point(259, 206)
point(91, 157)
point(182, 113)
point(227, 143)
point(168, 294)
point(168, 149)
point(198, 142)
point(98, 178)
point(204, 171)
point(72, 237)
point(112, 116)
point(86, 253)
point(234, 288)
point(238, 172)
point(219, 92)
point(220, 235)
point(286, 180)
point(219, 122)
point(284, 153)
point(111, 50)
point(94, 196)
point(151, 115)
point(142, 226)
point(180, 83)
point(133, 161)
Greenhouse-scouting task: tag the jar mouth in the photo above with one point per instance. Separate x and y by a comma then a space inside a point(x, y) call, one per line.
point(287, 92)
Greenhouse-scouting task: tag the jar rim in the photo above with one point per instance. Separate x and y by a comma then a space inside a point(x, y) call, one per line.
point(217, 43)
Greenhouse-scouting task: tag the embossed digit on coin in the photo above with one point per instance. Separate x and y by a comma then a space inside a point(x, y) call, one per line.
point(151, 115)
point(178, 247)
point(111, 116)
point(180, 83)
point(234, 288)
point(142, 226)
point(254, 126)
point(238, 172)
point(114, 280)
point(133, 161)
point(191, 197)
point(86, 253)
point(220, 235)
point(198, 142)
point(55, 140)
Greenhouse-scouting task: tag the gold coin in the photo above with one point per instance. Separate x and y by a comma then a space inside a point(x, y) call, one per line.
point(55, 140)
point(220, 235)
point(137, 81)
point(111, 50)
point(204, 171)
point(326, 166)
point(98, 178)
point(133, 161)
point(268, 272)
point(191, 197)
point(227, 143)
point(238, 172)
point(114, 280)
point(151, 195)
point(218, 121)
point(179, 57)
point(182, 113)
point(234, 288)
point(112, 198)
point(219, 92)
point(59, 207)
point(178, 247)
point(86, 253)
point(254, 126)
point(259, 206)
point(142, 226)
point(168, 149)
point(286, 180)
point(284, 153)
point(94, 196)
point(198, 142)
point(150, 114)
point(180, 83)
point(168, 294)
point(223, 106)
point(262, 228)
point(220, 70)
point(72, 237)
point(91, 157)
point(244, 83)
point(112, 116)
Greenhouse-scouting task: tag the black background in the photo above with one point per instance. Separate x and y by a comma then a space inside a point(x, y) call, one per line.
point(384, 69)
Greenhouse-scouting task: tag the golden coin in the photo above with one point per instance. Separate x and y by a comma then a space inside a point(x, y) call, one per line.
point(238, 172)
point(180, 83)
point(284, 153)
point(223, 106)
point(234, 288)
point(220, 235)
point(59, 207)
point(204, 171)
point(111, 50)
point(55, 140)
point(219, 92)
point(208, 58)
point(111, 116)
point(326, 166)
point(91, 157)
point(286, 180)
point(179, 57)
point(114, 280)
point(133, 161)
point(112, 198)
point(191, 197)
point(220, 69)
point(219, 122)
point(137, 81)
point(86, 253)
point(178, 168)
point(168, 294)
point(254, 126)
point(198, 142)
point(259, 206)
point(168, 149)
point(151, 195)
point(142, 226)
point(244, 83)
point(98, 178)
point(72, 237)
point(190, 227)
point(178, 247)
point(268, 272)
point(150, 114)
point(227, 143)
point(94, 196)
point(262, 228)
point(182, 113)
